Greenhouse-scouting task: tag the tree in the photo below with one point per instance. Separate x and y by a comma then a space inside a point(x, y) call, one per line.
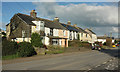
point(36, 40)
point(115, 41)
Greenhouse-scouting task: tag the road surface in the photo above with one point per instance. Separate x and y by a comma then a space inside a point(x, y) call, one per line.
point(76, 61)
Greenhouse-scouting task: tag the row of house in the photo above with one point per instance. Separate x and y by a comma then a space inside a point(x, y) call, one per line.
point(54, 32)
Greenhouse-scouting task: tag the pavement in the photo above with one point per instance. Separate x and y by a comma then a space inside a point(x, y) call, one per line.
point(89, 60)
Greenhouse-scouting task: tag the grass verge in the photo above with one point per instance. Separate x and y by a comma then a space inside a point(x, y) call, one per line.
point(8, 57)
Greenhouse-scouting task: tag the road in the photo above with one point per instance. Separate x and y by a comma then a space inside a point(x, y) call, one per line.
point(76, 61)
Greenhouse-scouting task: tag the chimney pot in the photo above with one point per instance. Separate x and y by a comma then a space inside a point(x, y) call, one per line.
point(56, 19)
point(69, 22)
point(33, 13)
point(74, 25)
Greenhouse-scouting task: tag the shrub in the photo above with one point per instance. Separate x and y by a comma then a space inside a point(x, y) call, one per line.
point(36, 40)
point(9, 47)
point(77, 43)
point(26, 49)
point(104, 43)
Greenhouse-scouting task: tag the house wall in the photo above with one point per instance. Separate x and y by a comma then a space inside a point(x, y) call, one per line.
point(46, 41)
point(55, 32)
point(89, 39)
point(39, 26)
point(63, 42)
point(19, 25)
point(33, 29)
point(82, 36)
point(94, 38)
point(101, 40)
point(62, 34)
point(8, 31)
point(47, 31)
point(22, 39)
point(104, 40)
point(71, 35)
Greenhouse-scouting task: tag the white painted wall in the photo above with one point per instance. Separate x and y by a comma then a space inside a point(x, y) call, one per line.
point(101, 40)
point(60, 42)
point(47, 31)
point(104, 40)
point(94, 38)
point(46, 40)
point(55, 32)
point(39, 26)
point(22, 39)
point(33, 29)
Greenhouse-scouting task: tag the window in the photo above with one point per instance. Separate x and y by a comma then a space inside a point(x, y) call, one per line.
point(13, 25)
point(70, 35)
point(86, 35)
point(64, 32)
point(51, 32)
point(55, 41)
point(23, 33)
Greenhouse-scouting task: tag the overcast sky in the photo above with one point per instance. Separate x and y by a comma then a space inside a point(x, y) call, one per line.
point(102, 17)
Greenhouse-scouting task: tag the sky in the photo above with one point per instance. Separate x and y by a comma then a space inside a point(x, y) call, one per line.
point(101, 17)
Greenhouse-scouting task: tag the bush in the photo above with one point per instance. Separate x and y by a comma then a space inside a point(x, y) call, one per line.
point(9, 47)
point(36, 40)
point(104, 43)
point(26, 49)
point(77, 43)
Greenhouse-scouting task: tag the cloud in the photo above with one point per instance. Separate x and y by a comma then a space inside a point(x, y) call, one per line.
point(83, 15)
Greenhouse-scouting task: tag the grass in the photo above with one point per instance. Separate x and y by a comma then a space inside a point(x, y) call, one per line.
point(54, 52)
point(8, 57)
point(106, 47)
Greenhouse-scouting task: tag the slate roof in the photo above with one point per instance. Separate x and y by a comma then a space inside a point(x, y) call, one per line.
point(91, 31)
point(104, 37)
point(28, 19)
point(72, 28)
point(69, 27)
point(81, 30)
point(52, 24)
point(48, 23)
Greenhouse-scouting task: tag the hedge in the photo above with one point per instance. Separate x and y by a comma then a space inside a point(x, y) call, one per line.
point(9, 47)
point(26, 49)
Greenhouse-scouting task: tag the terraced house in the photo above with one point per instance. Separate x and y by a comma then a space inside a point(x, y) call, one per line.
point(21, 27)
point(77, 33)
point(53, 32)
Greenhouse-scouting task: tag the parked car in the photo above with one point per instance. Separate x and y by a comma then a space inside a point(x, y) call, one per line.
point(113, 45)
point(96, 47)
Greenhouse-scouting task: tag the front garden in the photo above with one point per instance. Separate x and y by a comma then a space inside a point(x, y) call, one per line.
point(12, 50)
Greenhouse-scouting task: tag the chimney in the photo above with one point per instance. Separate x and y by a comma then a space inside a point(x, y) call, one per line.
point(69, 23)
point(74, 25)
point(56, 19)
point(105, 35)
point(33, 14)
